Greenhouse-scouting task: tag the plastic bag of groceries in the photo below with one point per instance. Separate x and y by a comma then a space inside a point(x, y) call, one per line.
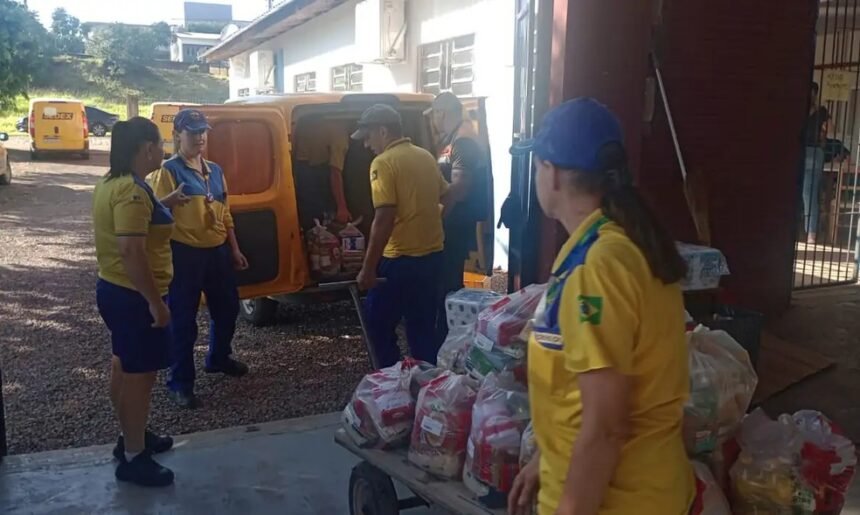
point(324, 251)
point(499, 418)
point(452, 354)
point(443, 418)
point(528, 445)
point(500, 325)
point(482, 361)
point(352, 247)
point(710, 499)
point(828, 459)
point(763, 477)
point(722, 383)
point(462, 307)
point(381, 411)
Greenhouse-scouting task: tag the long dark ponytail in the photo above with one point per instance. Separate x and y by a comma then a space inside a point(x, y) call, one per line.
point(125, 140)
point(623, 204)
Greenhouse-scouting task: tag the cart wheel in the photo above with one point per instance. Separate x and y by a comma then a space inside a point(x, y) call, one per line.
point(371, 492)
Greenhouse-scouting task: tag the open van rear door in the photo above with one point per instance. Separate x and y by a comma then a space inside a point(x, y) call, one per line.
point(251, 145)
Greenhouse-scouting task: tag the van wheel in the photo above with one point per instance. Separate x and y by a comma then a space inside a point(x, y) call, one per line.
point(6, 179)
point(258, 312)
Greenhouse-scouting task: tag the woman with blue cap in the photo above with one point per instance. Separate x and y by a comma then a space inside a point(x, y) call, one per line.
point(205, 256)
point(607, 372)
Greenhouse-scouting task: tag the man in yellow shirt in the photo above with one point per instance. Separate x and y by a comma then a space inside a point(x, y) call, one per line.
point(406, 239)
point(608, 372)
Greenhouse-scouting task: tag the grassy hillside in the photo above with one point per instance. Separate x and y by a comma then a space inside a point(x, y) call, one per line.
point(85, 80)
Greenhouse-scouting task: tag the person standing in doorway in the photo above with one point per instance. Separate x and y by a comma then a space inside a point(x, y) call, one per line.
point(132, 236)
point(406, 239)
point(813, 170)
point(464, 165)
point(206, 255)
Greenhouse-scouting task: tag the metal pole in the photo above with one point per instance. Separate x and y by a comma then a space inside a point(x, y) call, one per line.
point(3, 448)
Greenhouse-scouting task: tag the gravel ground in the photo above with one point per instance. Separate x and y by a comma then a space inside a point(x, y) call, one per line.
point(55, 351)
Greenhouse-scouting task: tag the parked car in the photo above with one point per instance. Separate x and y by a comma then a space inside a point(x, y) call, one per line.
point(5, 164)
point(101, 122)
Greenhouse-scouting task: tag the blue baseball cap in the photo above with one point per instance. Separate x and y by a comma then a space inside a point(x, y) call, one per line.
point(572, 135)
point(190, 120)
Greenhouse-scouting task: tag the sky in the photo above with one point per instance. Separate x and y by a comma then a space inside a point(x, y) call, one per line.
point(137, 11)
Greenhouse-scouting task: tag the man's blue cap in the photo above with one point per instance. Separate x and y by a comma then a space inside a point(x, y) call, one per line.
point(572, 135)
point(190, 120)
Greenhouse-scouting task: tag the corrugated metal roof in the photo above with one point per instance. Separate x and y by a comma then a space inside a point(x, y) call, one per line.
point(280, 19)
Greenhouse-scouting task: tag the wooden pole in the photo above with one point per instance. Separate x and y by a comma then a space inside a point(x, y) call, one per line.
point(132, 106)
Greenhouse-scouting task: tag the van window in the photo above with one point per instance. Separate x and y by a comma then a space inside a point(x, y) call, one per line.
point(246, 153)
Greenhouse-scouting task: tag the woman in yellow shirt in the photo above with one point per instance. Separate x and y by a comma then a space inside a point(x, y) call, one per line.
point(132, 235)
point(608, 372)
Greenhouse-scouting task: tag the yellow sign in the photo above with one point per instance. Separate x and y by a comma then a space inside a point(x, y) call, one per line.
point(837, 85)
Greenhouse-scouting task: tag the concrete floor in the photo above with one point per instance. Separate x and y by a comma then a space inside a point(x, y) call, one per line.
point(283, 467)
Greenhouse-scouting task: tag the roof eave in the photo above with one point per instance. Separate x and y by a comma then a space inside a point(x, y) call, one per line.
point(280, 19)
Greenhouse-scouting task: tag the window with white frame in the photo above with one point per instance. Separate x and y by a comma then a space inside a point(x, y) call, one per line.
point(448, 66)
point(305, 82)
point(348, 77)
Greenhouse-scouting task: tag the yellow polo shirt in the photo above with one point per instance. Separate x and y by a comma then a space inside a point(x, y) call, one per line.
point(611, 312)
point(405, 176)
point(204, 221)
point(123, 207)
point(323, 142)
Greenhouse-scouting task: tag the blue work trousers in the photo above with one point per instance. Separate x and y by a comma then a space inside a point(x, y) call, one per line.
point(196, 270)
point(410, 292)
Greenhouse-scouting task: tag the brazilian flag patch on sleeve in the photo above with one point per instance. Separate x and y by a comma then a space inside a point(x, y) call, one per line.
point(590, 309)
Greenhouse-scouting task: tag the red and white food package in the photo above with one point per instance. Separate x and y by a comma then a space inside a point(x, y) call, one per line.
point(382, 409)
point(443, 418)
point(501, 324)
point(352, 247)
point(710, 499)
point(499, 417)
point(324, 251)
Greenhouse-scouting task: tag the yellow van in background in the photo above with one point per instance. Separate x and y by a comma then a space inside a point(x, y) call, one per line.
point(58, 126)
point(162, 115)
point(273, 194)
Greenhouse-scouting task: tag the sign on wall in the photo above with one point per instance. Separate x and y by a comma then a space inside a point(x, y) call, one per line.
point(837, 85)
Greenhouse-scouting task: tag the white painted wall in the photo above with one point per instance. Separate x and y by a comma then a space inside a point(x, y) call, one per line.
point(329, 41)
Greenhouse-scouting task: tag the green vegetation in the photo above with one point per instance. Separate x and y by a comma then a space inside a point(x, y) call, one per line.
point(85, 80)
point(24, 47)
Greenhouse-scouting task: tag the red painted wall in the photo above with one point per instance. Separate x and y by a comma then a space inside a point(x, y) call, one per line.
point(738, 80)
point(738, 77)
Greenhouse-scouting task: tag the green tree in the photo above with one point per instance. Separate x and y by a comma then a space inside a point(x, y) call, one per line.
point(123, 47)
point(23, 50)
point(68, 35)
point(162, 34)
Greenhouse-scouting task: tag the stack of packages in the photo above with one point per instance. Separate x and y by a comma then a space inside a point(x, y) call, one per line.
point(443, 419)
point(528, 448)
point(502, 335)
point(382, 409)
point(798, 464)
point(499, 418)
point(462, 309)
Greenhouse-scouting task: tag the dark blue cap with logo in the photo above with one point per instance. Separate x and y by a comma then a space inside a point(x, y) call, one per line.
point(573, 134)
point(190, 120)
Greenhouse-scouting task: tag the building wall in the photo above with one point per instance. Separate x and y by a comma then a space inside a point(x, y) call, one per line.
point(740, 114)
point(330, 40)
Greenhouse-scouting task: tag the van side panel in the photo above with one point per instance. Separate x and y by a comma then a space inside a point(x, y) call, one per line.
point(58, 126)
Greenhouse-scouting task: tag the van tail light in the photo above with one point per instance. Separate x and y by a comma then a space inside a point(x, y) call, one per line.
point(86, 124)
point(32, 125)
